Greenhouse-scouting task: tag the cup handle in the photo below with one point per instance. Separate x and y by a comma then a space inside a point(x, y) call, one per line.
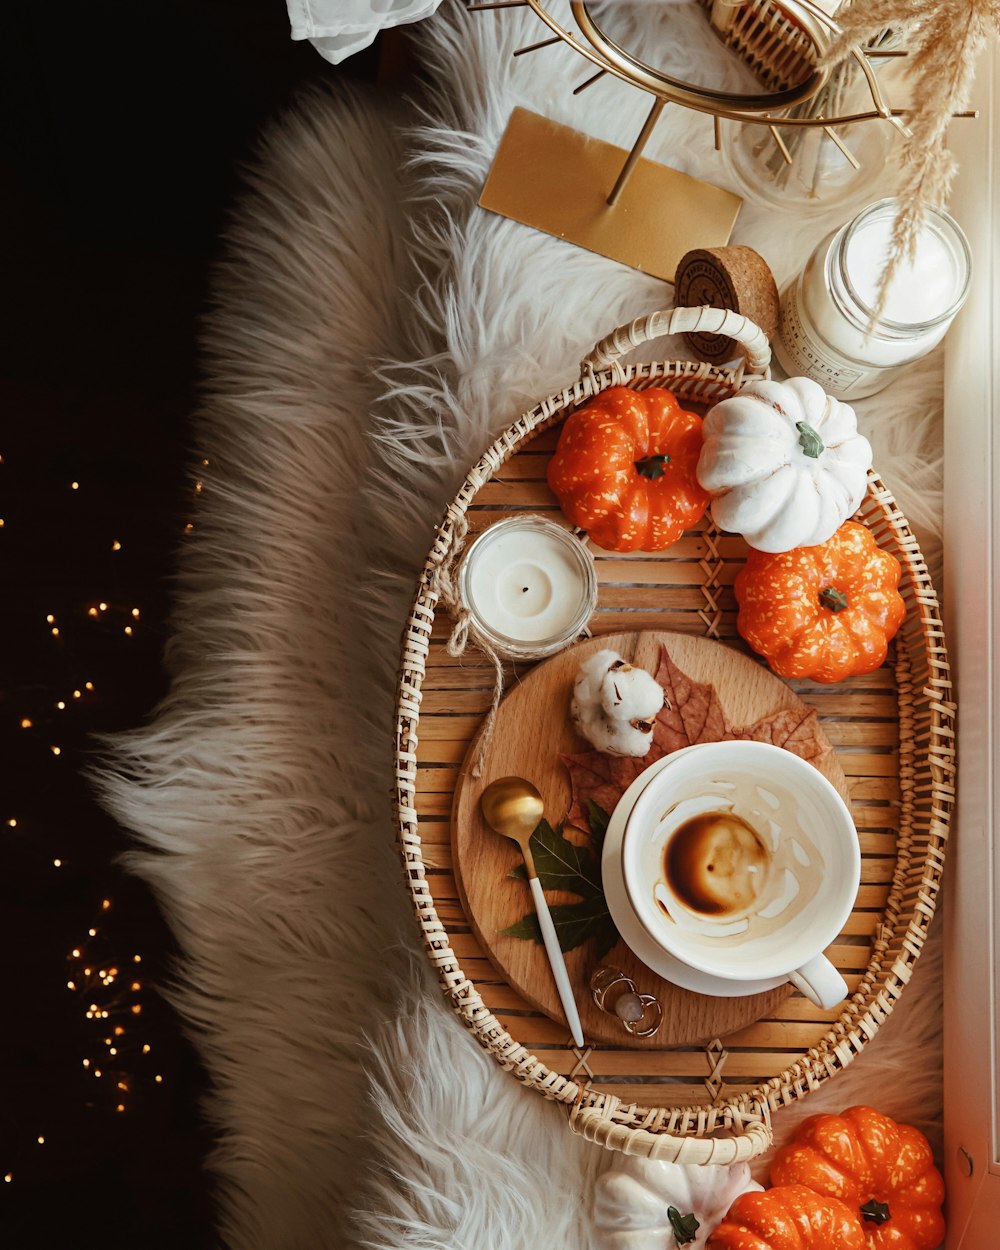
point(820, 981)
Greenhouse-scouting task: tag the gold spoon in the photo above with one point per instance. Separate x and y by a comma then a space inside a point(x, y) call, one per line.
point(513, 807)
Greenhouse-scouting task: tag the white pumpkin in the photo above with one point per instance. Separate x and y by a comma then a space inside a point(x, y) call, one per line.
point(784, 464)
point(632, 1198)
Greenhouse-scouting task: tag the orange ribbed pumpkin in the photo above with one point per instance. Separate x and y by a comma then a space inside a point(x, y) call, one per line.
point(826, 612)
point(789, 1217)
point(625, 468)
point(883, 1170)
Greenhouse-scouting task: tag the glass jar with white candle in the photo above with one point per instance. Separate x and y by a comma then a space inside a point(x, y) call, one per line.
point(825, 313)
point(529, 586)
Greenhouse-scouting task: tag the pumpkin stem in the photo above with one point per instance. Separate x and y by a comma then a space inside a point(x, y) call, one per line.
point(833, 599)
point(652, 466)
point(809, 440)
point(685, 1227)
point(875, 1211)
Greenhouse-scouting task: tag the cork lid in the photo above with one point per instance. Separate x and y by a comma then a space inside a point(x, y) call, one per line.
point(737, 278)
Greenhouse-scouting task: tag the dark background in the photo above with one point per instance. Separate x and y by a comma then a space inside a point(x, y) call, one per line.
point(124, 129)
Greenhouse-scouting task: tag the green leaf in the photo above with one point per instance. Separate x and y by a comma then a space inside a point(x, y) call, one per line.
point(877, 1212)
point(685, 1226)
point(574, 924)
point(526, 929)
point(561, 864)
point(809, 440)
point(605, 934)
point(598, 819)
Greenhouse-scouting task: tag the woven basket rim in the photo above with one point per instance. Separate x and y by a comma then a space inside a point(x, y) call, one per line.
point(600, 1116)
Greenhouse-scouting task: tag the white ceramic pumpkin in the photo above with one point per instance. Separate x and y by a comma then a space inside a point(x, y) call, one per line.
point(633, 1197)
point(784, 464)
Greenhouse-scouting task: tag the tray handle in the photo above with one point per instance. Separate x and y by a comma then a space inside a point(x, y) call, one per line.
point(596, 1125)
point(705, 320)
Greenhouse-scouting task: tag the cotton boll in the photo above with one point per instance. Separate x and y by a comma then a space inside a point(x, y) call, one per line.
point(631, 692)
point(613, 737)
point(614, 705)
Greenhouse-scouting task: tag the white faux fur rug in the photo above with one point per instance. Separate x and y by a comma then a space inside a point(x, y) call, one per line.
point(350, 1106)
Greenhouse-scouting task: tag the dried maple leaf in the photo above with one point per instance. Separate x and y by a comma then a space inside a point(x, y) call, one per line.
point(600, 778)
point(796, 730)
point(692, 713)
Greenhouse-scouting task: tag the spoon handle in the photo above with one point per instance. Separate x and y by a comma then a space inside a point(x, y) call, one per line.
point(557, 961)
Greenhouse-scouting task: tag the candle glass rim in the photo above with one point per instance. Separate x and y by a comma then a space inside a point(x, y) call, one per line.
point(519, 647)
point(836, 267)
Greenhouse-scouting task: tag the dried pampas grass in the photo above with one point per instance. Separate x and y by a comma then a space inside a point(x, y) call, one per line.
point(943, 38)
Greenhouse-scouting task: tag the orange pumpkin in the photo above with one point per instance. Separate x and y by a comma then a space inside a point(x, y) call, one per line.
point(825, 612)
point(789, 1217)
point(881, 1169)
point(625, 469)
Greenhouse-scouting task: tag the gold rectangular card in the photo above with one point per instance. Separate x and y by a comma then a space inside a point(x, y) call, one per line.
point(556, 179)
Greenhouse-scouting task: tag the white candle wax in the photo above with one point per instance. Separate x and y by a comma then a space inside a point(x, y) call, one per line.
point(825, 314)
point(526, 580)
point(921, 290)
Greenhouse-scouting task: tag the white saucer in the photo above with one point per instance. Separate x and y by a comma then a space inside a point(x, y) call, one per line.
point(633, 934)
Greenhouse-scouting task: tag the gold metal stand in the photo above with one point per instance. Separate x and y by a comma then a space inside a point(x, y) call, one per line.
point(555, 179)
point(782, 40)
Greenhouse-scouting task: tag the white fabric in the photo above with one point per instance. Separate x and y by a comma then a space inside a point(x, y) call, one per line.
point(359, 359)
point(339, 28)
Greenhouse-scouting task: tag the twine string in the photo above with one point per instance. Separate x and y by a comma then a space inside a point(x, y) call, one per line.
point(489, 724)
point(444, 585)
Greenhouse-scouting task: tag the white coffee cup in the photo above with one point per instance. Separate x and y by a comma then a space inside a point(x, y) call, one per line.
point(741, 860)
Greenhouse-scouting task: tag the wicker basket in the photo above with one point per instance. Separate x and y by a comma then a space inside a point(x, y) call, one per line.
point(911, 784)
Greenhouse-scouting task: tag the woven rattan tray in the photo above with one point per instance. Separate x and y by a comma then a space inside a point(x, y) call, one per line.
point(893, 732)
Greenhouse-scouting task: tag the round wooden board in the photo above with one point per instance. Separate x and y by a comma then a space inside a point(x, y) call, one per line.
point(532, 730)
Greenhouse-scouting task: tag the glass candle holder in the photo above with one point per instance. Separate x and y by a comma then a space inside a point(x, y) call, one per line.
point(529, 586)
point(829, 167)
point(826, 312)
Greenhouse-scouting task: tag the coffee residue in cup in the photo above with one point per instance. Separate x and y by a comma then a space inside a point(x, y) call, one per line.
point(717, 865)
point(728, 876)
